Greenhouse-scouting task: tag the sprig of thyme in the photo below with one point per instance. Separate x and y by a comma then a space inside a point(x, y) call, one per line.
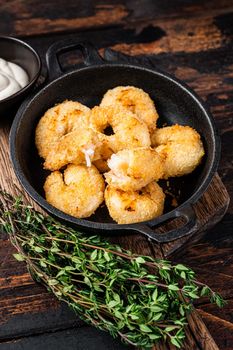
point(141, 299)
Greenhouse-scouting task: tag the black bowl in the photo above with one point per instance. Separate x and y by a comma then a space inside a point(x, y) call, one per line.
point(175, 102)
point(17, 51)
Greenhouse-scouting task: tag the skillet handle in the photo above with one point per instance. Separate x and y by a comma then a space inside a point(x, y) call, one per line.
point(190, 225)
point(89, 52)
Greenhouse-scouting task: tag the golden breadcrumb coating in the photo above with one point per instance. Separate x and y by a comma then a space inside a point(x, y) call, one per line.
point(76, 147)
point(135, 100)
point(57, 122)
point(180, 147)
point(135, 206)
point(77, 192)
point(132, 169)
point(128, 130)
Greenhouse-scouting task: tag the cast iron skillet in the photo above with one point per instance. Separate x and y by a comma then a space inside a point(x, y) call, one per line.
point(175, 102)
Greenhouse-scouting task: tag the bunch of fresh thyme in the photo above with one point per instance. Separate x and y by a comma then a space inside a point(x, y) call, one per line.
point(141, 299)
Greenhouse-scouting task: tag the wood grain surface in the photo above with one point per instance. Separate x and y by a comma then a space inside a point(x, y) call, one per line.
point(194, 41)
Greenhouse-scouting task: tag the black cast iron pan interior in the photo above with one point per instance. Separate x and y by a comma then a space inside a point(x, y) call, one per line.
point(175, 103)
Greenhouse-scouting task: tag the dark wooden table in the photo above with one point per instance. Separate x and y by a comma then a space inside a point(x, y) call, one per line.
point(190, 39)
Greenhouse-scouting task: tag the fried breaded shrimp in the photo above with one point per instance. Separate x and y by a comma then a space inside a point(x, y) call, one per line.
point(132, 169)
point(76, 147)
point(135, 206)
point(128, 130)
point(78, 192)
point(57, 122)
point(180, 147)
point(134, 99)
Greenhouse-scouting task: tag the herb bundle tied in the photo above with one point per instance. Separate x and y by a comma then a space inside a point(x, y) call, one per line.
point(141, 299)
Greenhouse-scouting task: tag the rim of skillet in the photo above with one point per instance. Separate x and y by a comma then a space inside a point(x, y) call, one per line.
point(101, 225)
point(36, 76)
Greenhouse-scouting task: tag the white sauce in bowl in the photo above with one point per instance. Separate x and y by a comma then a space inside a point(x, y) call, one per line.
point(12, 78)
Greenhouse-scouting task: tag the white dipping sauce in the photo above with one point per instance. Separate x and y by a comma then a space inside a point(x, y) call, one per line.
point(12, 78)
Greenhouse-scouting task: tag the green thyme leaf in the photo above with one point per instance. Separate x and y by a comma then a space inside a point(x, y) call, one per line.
point(173, 287)
point(19, 257)
point(145, 328)
point(140, 260)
